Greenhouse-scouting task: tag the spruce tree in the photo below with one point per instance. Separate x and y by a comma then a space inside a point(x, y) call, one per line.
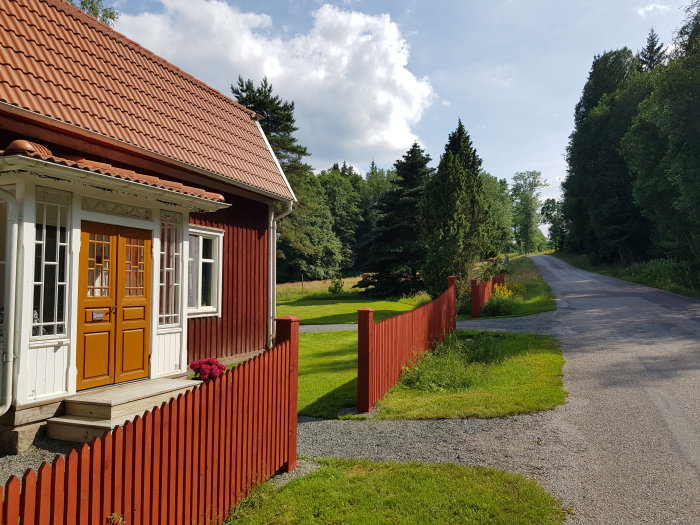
point(652, 55)
point(397, 248)
point(454, 214)
point(308, 246)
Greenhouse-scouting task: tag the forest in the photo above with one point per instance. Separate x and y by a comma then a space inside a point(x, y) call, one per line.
point(405, 228)
point(632, 192)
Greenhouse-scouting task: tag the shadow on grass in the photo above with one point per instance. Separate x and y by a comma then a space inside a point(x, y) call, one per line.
point(328, 405)
point(347, 318)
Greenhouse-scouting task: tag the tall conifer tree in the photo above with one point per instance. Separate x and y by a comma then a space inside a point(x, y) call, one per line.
point(652, 55)
point(308, 246)
point(397, 248)
point(454, 213)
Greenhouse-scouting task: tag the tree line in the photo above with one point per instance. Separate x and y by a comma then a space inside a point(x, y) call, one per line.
point(407, 227)
point(632, 191)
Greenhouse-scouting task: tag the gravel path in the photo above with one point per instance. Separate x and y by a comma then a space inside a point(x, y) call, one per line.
point(625, 449)
point(43, 450)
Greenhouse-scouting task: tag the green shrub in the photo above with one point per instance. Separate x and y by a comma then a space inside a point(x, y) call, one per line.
point(336, 286)
point(502, 302)
point(517, 289)
point(464, 303)
point(665, 272)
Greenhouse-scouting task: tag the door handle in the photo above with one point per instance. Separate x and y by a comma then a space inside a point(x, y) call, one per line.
point(113, 309)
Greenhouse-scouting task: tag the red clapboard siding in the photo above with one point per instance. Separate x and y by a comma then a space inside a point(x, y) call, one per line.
point(242, 326)
point(187, 462)
point(384, 348)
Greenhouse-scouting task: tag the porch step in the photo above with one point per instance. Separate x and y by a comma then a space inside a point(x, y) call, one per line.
point(90, 414)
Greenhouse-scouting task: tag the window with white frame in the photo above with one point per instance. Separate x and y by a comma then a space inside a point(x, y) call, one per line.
point(204, 271)
point(50, 263)
point(170, 269)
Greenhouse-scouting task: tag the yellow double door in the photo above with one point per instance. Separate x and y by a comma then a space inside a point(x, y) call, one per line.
point(113, 305)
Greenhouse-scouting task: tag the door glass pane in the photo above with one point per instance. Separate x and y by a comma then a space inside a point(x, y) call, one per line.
point(98, 265)
point(134, 267)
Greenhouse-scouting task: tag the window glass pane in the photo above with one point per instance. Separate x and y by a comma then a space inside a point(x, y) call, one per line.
point(170, 253)
point(207, 282)
point(207, 248)
point(192, 264)
point(47, 314)
point(50, 259)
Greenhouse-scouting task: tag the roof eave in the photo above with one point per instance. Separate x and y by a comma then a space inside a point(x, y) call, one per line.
point(73, 174)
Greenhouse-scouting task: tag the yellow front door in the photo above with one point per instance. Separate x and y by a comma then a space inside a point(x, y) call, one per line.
point(113, 305)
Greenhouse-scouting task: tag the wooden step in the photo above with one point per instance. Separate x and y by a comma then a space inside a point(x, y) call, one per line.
point(80, 429)
point(119, 401)
point(90, 414)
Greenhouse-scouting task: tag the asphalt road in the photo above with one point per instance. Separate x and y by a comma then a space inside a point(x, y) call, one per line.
point(624, 449)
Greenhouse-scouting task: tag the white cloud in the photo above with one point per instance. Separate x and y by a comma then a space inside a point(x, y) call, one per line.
point(649, 9)
point(356, 99)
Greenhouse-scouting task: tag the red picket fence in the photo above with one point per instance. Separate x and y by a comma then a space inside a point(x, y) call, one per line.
point(385, 347)
point(188, 461)
point(481, 293)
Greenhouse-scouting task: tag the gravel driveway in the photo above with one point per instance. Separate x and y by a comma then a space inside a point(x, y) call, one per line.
point(625, 449)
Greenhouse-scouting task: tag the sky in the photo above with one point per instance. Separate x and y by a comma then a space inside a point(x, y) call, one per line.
point(370, 77)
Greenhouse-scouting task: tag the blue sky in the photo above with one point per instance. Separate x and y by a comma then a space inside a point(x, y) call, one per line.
point(370, 76)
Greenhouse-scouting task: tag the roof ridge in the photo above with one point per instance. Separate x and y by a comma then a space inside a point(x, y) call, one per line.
point(111, 33)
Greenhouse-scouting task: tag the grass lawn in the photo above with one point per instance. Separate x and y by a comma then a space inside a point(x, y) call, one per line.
point(364, 492)
point(475, 374)
point(669, 275)
point(480, 374)
point(296, 290)
point(327, 373)
point(342, 311)
point(538, 297)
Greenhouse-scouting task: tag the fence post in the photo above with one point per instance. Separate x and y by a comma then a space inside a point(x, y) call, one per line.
point(452, 289)
point(288, 330)
point(365, 322)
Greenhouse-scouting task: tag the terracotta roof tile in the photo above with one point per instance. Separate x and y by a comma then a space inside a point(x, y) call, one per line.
point(38, 151)
point(63, 64)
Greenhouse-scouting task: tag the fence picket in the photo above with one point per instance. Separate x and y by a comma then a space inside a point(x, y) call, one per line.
point(58, 472)
point(95, 492)
point(137, 488)
point(11, 505)
point(43, 495)
point(28, 497)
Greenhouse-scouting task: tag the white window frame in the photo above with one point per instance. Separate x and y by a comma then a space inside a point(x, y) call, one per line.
point(217, 236)
point(38, 325)
point(174, 222)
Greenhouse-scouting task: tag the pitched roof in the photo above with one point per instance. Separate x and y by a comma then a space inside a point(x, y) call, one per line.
point(32, 150)
point(60, 63)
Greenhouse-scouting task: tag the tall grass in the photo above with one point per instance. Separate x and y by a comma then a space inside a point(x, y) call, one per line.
point(480, 374)
point(672, 275)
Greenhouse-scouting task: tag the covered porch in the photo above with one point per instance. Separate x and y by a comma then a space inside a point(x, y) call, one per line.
point(99, 270)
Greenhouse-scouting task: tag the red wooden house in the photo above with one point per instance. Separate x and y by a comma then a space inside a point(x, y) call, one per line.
point(137, 223)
